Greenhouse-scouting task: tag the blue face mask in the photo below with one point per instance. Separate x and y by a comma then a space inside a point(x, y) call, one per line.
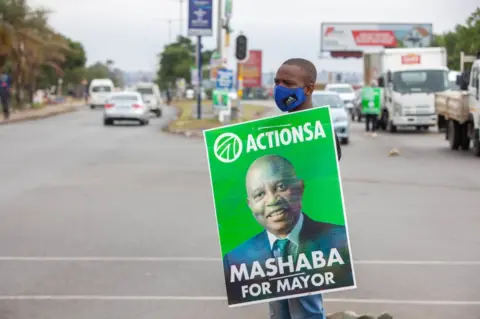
point(288, 99)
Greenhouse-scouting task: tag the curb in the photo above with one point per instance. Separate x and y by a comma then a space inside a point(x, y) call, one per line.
point(33, 117)
point(195, 133)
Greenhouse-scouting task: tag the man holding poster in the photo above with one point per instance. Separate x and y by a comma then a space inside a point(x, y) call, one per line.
point(279, 203)
point(371, 105)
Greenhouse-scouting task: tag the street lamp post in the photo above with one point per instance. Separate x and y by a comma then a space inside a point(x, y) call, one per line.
point(219, 27)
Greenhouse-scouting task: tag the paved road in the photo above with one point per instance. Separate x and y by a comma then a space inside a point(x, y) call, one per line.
point(117, 222)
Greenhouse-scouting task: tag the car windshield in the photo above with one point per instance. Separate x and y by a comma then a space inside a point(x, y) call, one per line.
point(101, 88)
point(145, 90)
point(328, 99)
point(424, 81)
point(123, 98)
point(341, 89)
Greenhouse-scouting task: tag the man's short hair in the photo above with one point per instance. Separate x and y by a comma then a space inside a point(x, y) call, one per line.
point(307, 66)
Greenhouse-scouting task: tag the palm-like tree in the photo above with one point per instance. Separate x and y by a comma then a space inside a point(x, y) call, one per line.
point(27, 43)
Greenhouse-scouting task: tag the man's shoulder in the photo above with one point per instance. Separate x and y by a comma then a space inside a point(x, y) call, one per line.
point(325, 232)
point(322, 226)
point(247, 248)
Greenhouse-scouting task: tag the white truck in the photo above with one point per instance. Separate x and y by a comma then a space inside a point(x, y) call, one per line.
point(459, 111)
point(409, 78)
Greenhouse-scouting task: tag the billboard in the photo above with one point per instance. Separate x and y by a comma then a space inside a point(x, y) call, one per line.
point(368, 37)
point(252, 70)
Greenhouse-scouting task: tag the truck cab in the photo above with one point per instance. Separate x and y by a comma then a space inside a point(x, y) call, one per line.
point(410, 79)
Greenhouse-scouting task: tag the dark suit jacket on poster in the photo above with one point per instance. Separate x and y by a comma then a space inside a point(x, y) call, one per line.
point(313, 236)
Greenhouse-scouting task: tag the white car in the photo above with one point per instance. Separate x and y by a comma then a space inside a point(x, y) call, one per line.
point(125, 106)
point(345, 91)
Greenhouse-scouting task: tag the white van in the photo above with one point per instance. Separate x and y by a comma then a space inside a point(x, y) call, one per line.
point(151, 96)
point(98, 91)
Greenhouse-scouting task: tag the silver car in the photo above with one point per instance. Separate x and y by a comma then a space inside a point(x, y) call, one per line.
point(340, 119)
point(125, 106)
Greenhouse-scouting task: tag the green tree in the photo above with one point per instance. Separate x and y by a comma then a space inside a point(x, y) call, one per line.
point(176, 60)
point(73, 67)
point(101, 70)
point(464, 38)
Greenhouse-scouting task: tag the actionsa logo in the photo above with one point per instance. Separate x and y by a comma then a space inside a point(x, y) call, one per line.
point(227, 147)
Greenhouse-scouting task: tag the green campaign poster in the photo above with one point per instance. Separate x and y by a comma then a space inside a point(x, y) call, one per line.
point(279, 207)
point(371, 100)
point(220, 98)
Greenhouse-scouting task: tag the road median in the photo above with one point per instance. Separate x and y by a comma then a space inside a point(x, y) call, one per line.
point(36, 113)
point(188, 125)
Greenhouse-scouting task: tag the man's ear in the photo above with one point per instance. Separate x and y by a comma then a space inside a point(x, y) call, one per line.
point(302, 186)
point(309, 89)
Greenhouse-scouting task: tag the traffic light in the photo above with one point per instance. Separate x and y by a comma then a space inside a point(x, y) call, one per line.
point(241, 47)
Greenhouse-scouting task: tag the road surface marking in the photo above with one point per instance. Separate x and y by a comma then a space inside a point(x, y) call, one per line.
point(216, 259)
point(222, 298)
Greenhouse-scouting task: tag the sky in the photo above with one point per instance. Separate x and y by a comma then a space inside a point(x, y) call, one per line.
point(133, 32)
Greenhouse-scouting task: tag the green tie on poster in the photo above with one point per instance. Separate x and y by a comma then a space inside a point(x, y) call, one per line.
point(277, 178)
point(371, 100)
point(221, 99)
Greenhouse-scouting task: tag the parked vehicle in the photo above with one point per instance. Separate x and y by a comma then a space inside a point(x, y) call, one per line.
point(459, 111)
point(340, 119)
point(346, 93)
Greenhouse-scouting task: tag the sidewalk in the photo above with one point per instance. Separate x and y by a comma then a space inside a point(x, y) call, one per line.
point(40, 113)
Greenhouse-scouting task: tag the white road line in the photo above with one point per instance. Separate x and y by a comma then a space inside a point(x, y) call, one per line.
point(418, 262)
point(110, 259)
point(215, 259)
point(222, 298)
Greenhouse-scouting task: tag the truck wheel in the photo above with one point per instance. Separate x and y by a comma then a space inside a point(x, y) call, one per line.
point(454, 134)
point(441, 123)
point(383, 121)
point(464, 139)
point(391, 128)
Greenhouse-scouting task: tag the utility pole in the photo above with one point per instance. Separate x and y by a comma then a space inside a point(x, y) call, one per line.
point(169, 21)
point(181, 17)
point(219, 27)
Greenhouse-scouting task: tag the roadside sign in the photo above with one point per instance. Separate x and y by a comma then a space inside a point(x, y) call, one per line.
point(372, 37)
point(225, 80)
point(200, 17)
point(221, 99)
